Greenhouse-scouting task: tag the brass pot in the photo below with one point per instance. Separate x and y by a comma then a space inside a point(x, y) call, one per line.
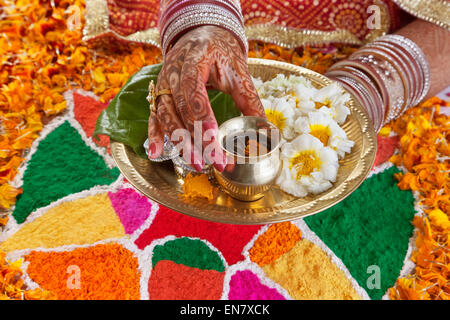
point(247, 178)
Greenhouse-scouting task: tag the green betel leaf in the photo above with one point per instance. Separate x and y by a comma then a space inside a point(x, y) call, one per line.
point(126, 117)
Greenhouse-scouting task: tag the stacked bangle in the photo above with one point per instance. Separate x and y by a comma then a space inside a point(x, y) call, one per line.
point(388, 76)
point(184, 15)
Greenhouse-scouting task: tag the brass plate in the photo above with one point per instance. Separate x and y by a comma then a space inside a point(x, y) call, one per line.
point(159, 182)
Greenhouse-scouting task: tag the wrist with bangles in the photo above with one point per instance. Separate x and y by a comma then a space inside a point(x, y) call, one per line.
point(181, 16)
point(392, 65)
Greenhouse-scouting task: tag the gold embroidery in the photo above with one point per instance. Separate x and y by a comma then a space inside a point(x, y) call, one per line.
point(291, 38)
point(435, 11)
point(97, 19)
point(97, 25)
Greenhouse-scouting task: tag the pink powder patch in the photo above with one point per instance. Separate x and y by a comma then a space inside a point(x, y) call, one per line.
point(228, 239)
point(385, 148)
point(245, 285)
point(87, 110)
point(132, 208)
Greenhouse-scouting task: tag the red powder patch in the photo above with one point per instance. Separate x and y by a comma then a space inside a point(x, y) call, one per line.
point(172, 281)
point(87, 110)
point(103, 272)
point(228, 239)
point(385, 148)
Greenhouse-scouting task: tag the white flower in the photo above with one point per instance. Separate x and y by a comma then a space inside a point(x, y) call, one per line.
point(280, 86)
point(258, 83)
point(307, 166)
point(304, 96)
point(281, 112)
point(324, 128)
point(331, 100)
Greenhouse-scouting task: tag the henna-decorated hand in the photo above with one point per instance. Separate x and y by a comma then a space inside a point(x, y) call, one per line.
point(205, 54)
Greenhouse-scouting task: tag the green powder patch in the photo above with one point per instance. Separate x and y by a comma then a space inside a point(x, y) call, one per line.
point(369, 231)
point(189, 252)
point(63, 164)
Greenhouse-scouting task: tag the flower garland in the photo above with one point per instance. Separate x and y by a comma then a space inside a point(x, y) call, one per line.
point(425, 154)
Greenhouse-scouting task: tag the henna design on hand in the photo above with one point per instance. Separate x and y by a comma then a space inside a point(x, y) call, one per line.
point(206, 54)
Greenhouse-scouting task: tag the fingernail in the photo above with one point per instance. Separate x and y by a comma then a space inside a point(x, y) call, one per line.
point(219, 166)
point(151, 149)
point(198, 166)
point(196, 161)
point(207, 125)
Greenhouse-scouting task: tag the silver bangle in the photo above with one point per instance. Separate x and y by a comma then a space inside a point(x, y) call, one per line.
point(201, 9)
point(418, 55)
point(219, 17)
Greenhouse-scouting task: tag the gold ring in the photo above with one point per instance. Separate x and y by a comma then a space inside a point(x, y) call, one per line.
point(152, 96)
point(162, 92)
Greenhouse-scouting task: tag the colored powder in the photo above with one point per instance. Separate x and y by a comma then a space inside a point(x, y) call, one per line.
point(245, 285)
point(62, 165)
point(81, 221)
point(228, 239)
point(307, 273)
point(197, 186)
point(86, 111)
point(131, 207)
point(172, 281)
point(191, 253)
point(277, 240)
point(102, 272)
point(370, 229)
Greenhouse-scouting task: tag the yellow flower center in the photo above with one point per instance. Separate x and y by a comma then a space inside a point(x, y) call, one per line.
point(319, 105)
point(320, 132)
point(277, 118)
point(305, 162)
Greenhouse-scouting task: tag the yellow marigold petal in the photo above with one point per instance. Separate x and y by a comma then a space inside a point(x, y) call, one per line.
point(439, 218)
point(8, 195)
point(385, 131)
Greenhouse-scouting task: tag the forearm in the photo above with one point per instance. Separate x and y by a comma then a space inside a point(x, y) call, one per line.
point(435, 43)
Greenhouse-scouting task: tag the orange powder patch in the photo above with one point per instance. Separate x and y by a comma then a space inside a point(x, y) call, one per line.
point(277, 240)
point(198, 186)
point(172, 281)
point(102, 272)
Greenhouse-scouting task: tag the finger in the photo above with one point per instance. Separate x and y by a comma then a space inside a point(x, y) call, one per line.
point(171, 124)
point(244, 94)
point(193, 105)
point(191, 96)
point(155, 137)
